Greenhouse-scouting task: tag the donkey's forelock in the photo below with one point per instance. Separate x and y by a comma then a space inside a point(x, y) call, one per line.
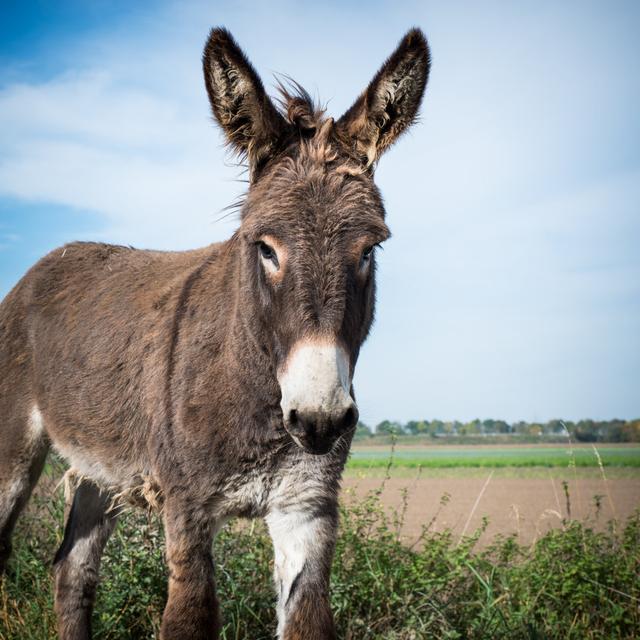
point(315, 136)
point(298, 107)
point(312, 140)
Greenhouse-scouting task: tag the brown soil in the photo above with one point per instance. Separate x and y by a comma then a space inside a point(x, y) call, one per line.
point(527, 506)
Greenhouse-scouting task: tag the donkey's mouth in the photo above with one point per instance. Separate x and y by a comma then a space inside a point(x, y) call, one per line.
point(314, 446)
point(318, 435)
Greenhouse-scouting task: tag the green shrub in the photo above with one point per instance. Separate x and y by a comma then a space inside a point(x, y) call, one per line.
point(574, 583)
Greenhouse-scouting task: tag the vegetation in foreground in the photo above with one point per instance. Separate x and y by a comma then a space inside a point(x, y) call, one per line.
point(574, 583)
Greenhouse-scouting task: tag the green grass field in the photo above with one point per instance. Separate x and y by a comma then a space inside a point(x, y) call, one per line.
point(495, 457)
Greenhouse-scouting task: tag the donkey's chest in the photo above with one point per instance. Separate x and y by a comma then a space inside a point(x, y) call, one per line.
point(256, 494)
point(244, 495)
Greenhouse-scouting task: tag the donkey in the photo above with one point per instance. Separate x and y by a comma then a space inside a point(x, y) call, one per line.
point(219, 377)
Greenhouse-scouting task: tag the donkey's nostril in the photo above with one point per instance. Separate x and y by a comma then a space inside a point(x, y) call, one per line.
point(350, 418)
point(293, 417)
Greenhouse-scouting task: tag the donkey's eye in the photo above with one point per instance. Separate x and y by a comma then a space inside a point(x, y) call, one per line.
point(366, 256)
point(268, 253)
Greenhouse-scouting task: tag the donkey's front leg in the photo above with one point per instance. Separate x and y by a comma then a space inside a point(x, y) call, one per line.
point(191, 612)
point(303, 543)
point(89, 525)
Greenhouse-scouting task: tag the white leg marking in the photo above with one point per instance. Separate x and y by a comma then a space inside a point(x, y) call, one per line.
point(293, 536)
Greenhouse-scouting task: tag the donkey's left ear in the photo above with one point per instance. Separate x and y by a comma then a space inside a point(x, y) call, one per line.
point(249, 119)
point(390, 103)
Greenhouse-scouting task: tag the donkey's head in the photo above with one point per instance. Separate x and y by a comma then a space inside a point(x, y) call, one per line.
point(311, 222)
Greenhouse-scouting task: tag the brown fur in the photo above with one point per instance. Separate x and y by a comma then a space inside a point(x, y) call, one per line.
point(147, 368)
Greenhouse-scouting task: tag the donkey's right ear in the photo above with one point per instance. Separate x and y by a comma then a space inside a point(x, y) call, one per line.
point(249, 119)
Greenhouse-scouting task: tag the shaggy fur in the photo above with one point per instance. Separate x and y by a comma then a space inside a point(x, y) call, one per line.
point(157, 373)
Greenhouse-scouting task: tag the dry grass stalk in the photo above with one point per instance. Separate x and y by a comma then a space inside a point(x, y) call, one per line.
point(605, 480)
point(475, 506)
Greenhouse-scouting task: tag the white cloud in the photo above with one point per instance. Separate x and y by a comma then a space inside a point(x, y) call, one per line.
point(138, 158)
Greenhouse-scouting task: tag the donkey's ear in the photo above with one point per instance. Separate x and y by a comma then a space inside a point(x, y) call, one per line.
point(390, 103)
point(239, 102)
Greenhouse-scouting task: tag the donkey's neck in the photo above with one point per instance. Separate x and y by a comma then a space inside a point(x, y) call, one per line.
point(225, 309)
point(220, 384)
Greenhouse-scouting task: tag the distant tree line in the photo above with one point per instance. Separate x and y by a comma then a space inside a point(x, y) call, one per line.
point(581, 431)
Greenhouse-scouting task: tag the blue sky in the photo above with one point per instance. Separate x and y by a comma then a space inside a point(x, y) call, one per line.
point(511, 286)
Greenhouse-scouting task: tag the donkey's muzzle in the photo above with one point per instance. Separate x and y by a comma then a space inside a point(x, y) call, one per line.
point(316, 403)
point(317, 433)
